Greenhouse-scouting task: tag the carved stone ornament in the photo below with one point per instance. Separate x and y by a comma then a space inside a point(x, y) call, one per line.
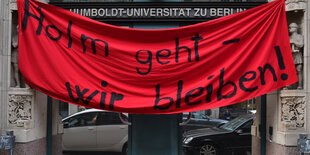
point(294, 5)
point(19, 110)
point(292, 112)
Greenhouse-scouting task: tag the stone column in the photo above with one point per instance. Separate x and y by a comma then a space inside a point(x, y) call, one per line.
point(4, 59)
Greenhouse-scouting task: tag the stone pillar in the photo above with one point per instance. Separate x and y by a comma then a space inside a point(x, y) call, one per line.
point(4, 59)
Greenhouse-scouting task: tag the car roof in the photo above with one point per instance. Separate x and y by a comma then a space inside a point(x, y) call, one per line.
point(82, 112)
point(89, 111)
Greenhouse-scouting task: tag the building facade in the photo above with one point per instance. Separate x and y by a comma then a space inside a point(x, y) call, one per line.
point(24, 110)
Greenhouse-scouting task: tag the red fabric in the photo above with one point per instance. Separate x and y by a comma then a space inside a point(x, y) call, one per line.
point(236, 58)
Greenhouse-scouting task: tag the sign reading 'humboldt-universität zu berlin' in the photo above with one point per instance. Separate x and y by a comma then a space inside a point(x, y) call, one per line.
point(155, 11)
point(207, 65)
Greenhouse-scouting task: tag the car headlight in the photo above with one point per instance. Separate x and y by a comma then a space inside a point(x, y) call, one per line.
point(187, 140)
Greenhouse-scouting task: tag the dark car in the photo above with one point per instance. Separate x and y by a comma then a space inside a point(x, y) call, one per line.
point(199, 121)
point(234, 137)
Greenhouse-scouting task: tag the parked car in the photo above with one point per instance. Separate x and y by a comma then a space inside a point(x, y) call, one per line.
point(234, 137)
point(199, 121)
point(95, 130)
point(98, 130)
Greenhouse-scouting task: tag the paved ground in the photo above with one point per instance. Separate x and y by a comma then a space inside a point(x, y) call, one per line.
point(91, 153)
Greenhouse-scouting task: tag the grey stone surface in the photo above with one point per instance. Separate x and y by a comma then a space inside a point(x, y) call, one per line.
point(272, 148)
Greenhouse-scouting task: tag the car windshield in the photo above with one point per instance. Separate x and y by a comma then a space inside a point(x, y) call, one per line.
point(235, 123)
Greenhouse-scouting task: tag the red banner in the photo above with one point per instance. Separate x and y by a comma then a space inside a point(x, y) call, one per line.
point(208, 65)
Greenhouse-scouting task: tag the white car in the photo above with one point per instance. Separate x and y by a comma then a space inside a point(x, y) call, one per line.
point(95, 130)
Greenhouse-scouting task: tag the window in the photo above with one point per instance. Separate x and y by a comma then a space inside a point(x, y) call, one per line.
point(199, 115)
point(87, 119)
point(109, 118)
